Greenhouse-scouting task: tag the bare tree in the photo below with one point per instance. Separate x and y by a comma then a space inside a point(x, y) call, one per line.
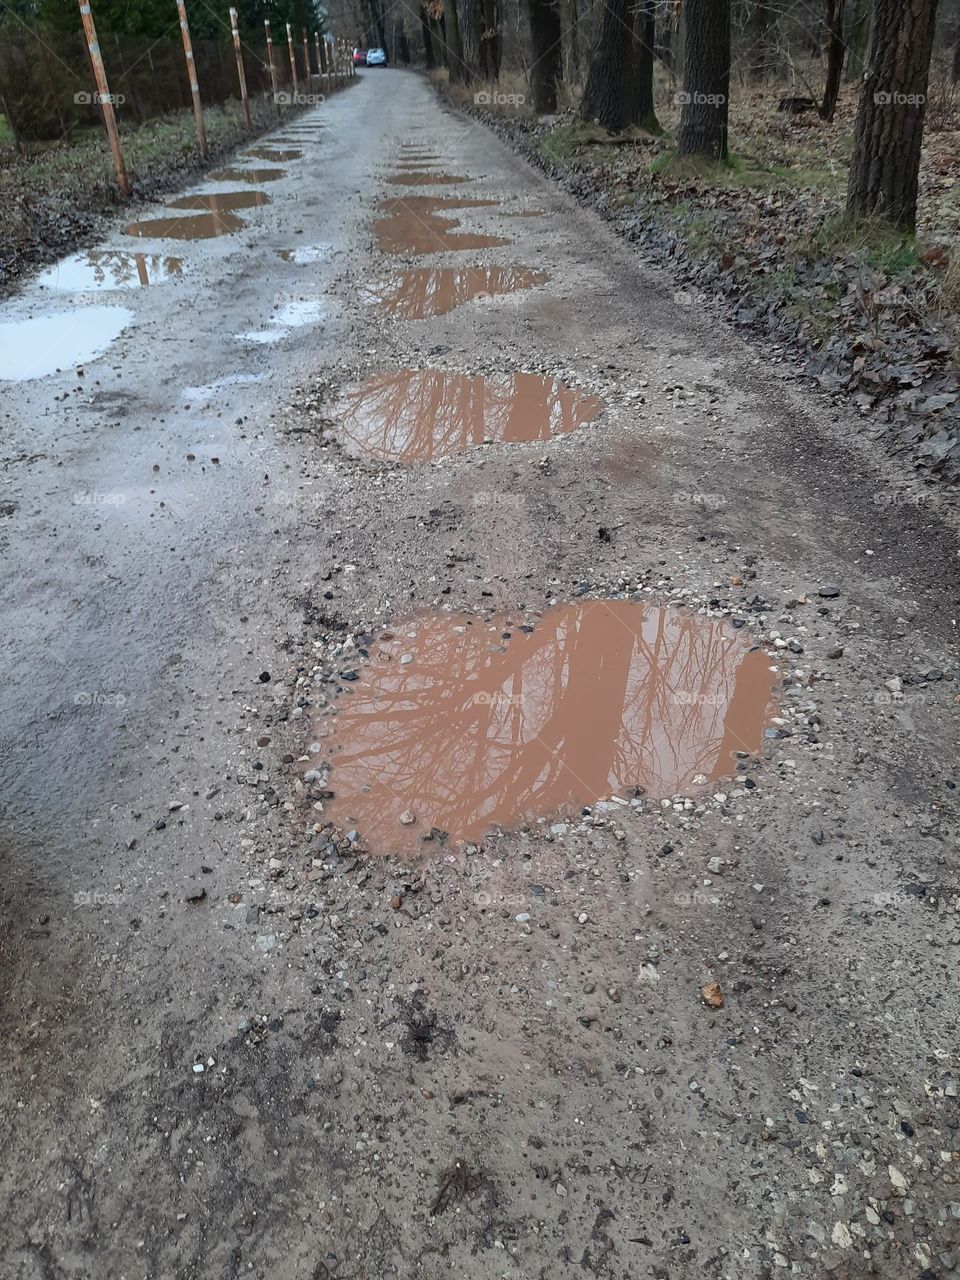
point(835, 51)
point(619, 89)
point(885, 169)
point(706, 79)
point(546, 70)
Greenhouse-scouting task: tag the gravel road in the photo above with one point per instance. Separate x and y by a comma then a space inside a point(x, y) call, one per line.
point(706, 1034)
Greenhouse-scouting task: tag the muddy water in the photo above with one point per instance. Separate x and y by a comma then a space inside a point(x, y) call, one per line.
point(467, 729)
point(416, 295)
point(221, 202)
point(110, 269)
point(199, 226)
point(415, 224)
point(36, 347)
point(420, 414)
point(248, 175)
point(416, 178)
point(271, 153)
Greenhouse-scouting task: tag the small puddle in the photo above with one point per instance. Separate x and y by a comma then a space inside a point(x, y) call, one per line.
point(305, 253)
point(420, 414)
point(416, 295)
point(199, 226)
point(292, 315)
point(247, 175)
point(110, 269)
point(418, 178)
point(468, 724)
point(271, 153)
point(414, 224)
point(221, 202)
point(43, 345)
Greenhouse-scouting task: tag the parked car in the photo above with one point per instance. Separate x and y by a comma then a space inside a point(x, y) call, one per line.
point(376, 58)
point(359, 57)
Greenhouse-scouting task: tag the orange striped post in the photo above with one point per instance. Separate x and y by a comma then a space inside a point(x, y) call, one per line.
point(293, 63)
point(103, 95)
point(238, 50)
point(192, 76)
point(273, 69)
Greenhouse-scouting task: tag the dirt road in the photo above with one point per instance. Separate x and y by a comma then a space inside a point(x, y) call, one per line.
point(234, 1042)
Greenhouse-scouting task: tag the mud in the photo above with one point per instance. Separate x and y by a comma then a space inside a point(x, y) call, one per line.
point(200, 226)
point(418, 415)
point(419, 294)
point(416, 225)
point(418, 178)
point(461, 725)
point(248, 175)
point(273, 154)
point(221, 202)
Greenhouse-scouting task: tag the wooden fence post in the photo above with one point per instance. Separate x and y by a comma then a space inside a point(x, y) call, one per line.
point(293, 63)
point(103, 93)
point(238, 50)
point(273, 69)
point(192, 75)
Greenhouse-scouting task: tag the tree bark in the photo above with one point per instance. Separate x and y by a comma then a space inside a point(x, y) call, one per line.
point(706, 79)
point(489, 55)
point(955, 69)
point(546, 69)
point(469, 17)
point(759, 40)
point(835, 51)
point(428, 56)
point(452, 45)
point(884, 171)
point(619, 88)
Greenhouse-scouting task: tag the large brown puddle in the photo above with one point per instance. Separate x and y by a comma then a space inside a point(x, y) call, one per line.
point(98, 269)
point(464, 725)
point(221, 201)
point(271, 153)
point(419, 414)
point(248, 175)
point(417, 178)
point(198, 226)
point(416, 295)
point(414, 224)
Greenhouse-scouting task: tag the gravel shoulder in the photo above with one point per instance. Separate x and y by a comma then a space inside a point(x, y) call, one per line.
point(246, 1048)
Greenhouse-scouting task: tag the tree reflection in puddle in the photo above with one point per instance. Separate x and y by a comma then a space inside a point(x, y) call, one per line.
point(464, 729)
point(416, 295)
point(420, 414)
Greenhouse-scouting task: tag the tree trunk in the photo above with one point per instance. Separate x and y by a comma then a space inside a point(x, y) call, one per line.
point(489, 55)
point(955, 69)
point(884, 171)
point(546, 69)
point(469, 16)
point(706, 79)
point(759, 40)
point(427, 40)
point(619, 88)
point(857, 39)
point(835, 51)
point(452, 46)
